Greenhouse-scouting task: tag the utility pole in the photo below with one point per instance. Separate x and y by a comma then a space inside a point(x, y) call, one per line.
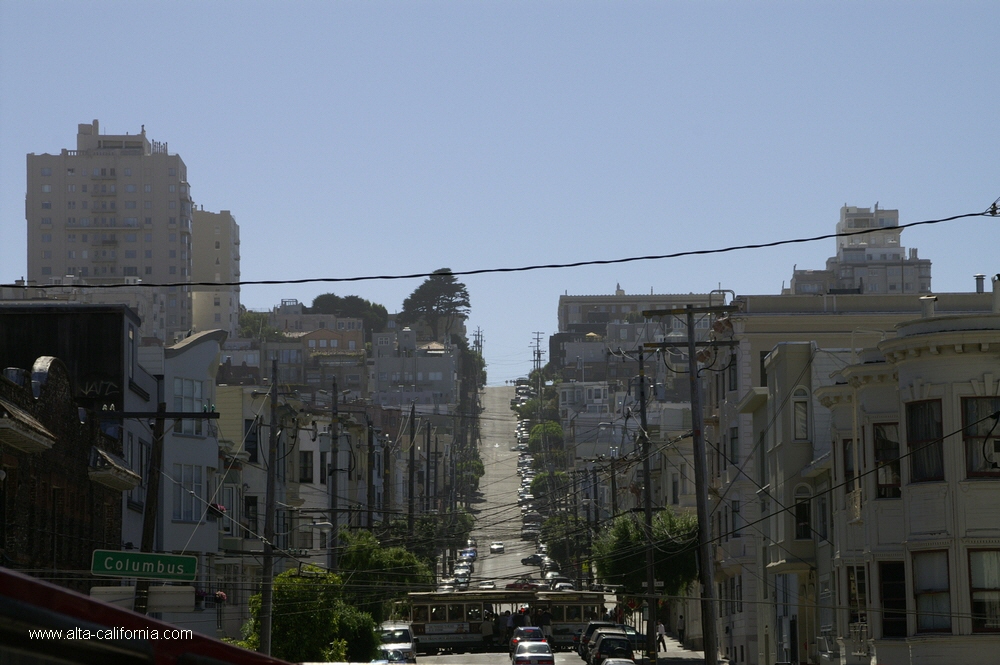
point(335, 480)
point(647, 500)
point(706, 563)
point(412, 469)
point(267, 589)
point(706, 568)
point(371, 474)
point(427, 469)
point(152, 504)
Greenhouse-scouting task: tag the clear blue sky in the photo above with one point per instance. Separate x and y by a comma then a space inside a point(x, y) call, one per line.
point(366, 138)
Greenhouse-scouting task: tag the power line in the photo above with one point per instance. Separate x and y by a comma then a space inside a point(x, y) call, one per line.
point(991, 211)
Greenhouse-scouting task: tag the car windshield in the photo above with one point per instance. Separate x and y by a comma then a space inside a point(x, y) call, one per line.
point(395, 635)
point(534, 647)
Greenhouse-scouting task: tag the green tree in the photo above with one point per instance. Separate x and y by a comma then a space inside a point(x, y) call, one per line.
point(550, 488)
point(254, 325)
point(374, 316)
point(431, 533)
point(620, 551)
point(311, 621)
point(380, 574)
point(565, 535)
point(544, 436)
point(441, 299)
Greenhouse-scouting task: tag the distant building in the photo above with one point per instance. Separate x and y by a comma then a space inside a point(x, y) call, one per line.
point(116, 209)
point(872, 261)
point(215, 250)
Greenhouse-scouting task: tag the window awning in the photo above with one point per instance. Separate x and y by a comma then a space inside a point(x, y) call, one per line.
point(111, 471)
point(21, 430)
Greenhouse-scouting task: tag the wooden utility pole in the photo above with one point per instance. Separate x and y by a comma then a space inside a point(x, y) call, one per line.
point(267, 574)
point(647, 504)
point(706, 561)
point(411, 470)
point(335, 480)
point(152, 503)
point(371, 474)
point(427, 469)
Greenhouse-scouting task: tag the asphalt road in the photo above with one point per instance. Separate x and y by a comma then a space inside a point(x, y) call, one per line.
point(498, 516)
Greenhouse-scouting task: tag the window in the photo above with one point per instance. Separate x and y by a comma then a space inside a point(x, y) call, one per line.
point(46, 188)
point(172, 171)
point(822, 523)
point(734, 445)
point(892, 578)
point(128, 172)
point(981, 457)
point(46, 237)
point(250, 438)
point(931, 591)
point(737, 520)
point(887, 459)
point(800, 414)
point(984, 582)
point(924, 436)
point(46, 171)
point(803, 519)
point(172, 188)
point(147, 205)
point(188, 398)
point(46, 205)
point(130, 205)
point(857, 594)
point(187, 480)
point(305, 466)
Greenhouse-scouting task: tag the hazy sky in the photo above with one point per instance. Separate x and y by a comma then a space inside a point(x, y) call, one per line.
point(375, 138)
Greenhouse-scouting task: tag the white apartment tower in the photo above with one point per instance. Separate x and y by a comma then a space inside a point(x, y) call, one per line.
point(870, 259)
point(116, 209)
point(215, 251)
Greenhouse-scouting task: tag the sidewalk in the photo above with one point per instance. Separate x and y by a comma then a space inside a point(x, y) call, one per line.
point(676, 655)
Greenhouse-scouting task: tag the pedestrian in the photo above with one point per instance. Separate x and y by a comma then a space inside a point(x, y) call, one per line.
point(510, 625)
point(661, 636)
point(487, 631)
point(545, 623)
point(680, 629)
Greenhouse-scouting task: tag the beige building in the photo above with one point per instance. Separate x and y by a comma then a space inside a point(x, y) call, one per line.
point(215, 250)
point(616, 308)
point(870, 259)
point(118, 208)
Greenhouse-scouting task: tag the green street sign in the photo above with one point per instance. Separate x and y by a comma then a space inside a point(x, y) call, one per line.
point(114, 563)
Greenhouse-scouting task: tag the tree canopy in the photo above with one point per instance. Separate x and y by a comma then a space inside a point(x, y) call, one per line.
point(254, 325)
point(379, 574)
point(438, 302)
point(311, 621)
point(620, 551)
point(374, 316)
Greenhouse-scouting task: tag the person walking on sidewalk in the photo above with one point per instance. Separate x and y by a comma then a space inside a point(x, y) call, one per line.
point(661, 636)
point(680, 629)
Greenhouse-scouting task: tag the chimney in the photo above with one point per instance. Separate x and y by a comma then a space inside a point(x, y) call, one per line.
point(980, 280)
point(996, 294)
point(927, 305)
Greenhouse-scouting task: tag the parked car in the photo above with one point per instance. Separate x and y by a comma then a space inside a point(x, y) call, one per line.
point(487, 584)
point(533, 653)
point(496, 547)
point(526, 583)
point(525, 634)
point(532, 560)
point(597, 635)
point(581, 647)
point(397, 637)
point(611, 645)
point(563, 586)
point(637, 639)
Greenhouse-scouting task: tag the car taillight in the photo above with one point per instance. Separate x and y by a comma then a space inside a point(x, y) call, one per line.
point(522, 659)
point(546, 661)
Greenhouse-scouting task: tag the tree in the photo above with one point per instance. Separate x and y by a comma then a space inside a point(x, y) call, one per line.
point(374, 316)
point(620, 551)
point(380, 574)
point(254, 325)
point(545, 435)
point(311, 621)
point(441, 299)
point(564, 534)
